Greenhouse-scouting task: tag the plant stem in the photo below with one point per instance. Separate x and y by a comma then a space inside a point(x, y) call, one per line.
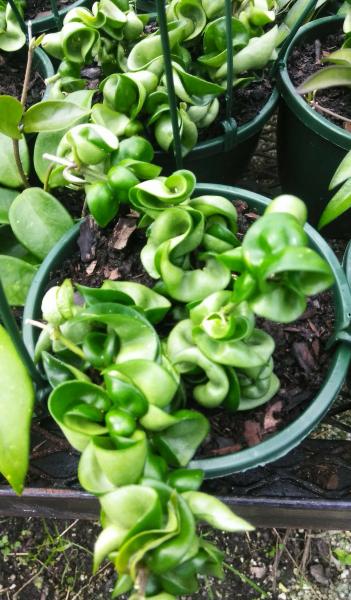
point(246, 579)
point(16, 152)
point(70, 345)
point(47, 177)
point(15, 143)
point(31, 47)
point(329, 112)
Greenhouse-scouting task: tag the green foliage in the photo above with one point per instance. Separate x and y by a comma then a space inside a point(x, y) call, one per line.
point(9, 175)
point(134, 430)
point(16, 277)
point(341, 201)
point(38, 220)
point(16, 404)
point(12, 37)
point(135, 94)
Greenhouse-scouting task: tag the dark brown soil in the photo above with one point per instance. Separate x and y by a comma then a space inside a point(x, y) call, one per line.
point(72, 200)
point(300, 356)
point(42, 559)
point(42, 8)
point(306, 60)
point(98, 258)
point(12, 69)
point(247, 103)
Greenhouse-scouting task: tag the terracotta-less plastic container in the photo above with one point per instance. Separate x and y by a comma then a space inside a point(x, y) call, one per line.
point(50, 22)
point(310, 147)
point(285, 440)
point(219, 161)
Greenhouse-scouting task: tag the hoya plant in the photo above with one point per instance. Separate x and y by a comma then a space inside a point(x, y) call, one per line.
point(88, 156)
point(12, 37)
point(126, 364)
point(133, 87)
point(337, 71)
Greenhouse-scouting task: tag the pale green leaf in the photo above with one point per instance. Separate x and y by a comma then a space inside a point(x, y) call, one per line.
point(38, 220)
point(16, 405)
point(9, 175)
point(16, 277)
point(52, 115)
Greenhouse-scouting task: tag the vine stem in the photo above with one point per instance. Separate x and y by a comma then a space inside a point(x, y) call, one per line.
point(31, 47)
point(329, 112)
point(15, 142)
point(16, 152)
point(47, 177)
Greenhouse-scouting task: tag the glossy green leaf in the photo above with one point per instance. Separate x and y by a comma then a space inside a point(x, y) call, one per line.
point(121, 466)
point(342, 173)
point(340, 203)
point(16, 277)
point(253, 352)
point(170, 553)
point(178, 443)
point(16, 405)
point(137, 337)
point(11, 111)
point(52, 115)
point(65, 397)
point(9, 175)
point(12, 37)
point(57, 371)
point(154, 305)
point(38, 220)
point(328, 77)
point(7, 196)
point(213, 511)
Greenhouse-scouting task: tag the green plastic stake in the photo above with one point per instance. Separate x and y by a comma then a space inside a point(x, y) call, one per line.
point(230, 70)
point(162, 19)
point(54, 9)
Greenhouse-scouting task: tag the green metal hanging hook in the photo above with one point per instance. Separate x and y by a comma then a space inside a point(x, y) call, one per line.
point(162, 19)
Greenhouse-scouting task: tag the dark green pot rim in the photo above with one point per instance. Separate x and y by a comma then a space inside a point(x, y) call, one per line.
point(44, 65)
point(44, 24)
point(309, 117)
point(285, 440)
point(244, 132)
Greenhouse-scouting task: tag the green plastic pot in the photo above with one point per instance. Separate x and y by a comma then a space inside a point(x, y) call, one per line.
point(222, 159)
point(43, 64)
point(309, 146)
point(145, 6)
point(50, 21)
point(280, 443)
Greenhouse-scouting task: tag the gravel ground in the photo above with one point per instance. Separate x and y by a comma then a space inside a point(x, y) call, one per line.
point(52, 560)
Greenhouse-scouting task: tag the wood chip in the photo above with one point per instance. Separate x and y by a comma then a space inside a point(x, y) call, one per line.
point(225, 450)
point(270, 420)
point(122, 232)
point(91, 268)
point(304, 357)
point(252, 216)
point(252, 433)
point(87, 239)
point(115, 274)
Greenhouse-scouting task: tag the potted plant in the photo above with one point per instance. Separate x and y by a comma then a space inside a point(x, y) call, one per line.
point(129, 52)
point(210, 349)
point(308, 142)
point(31, 220)
point(281, 442)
